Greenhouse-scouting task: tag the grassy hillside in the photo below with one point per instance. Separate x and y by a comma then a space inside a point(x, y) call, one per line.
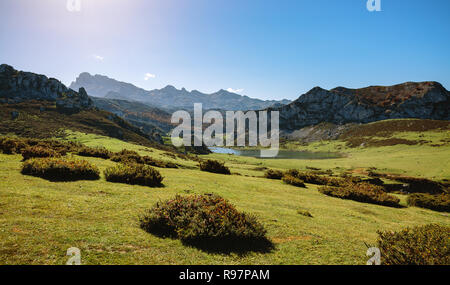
point(41, 119)
point(40, 220)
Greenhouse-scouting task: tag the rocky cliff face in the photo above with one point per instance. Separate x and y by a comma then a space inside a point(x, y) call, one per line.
point(425, 100)
point(18, 86)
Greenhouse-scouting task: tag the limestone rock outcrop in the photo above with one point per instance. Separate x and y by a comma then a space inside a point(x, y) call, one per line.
point(18, 86)
point(424, 100)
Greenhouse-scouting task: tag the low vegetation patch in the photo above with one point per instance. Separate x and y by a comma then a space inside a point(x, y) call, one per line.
point(425, 245)
point(99, 152)
point(11, 145)
point(273, 174)
point(415, 184)
point(421, 185)
point(362, 192)
point(214, 166)
point(439, 203)
point(312, 178)
point(369, 142)
point(207, 221)
point(304, 213)
point(15, 145)
point(58, 169)
point(129, 156)
point(288, 179)
point(134, 174)
point(38, 151)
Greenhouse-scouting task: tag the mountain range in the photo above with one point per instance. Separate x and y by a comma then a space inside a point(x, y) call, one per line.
point(34, 105)
point(168, 97)
point(420, 100)
point(46, 102)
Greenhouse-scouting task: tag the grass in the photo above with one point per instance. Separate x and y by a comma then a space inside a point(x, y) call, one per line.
point(421, 160)
point(40, 220)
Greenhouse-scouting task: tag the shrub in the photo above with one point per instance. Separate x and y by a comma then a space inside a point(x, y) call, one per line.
point(197, 219)
point(424, 245)
point(288, 179)
point(273, 174)
point(38, 152)
point(433, 202)
point(11, 145)
point(158, 163)
point(312, 178)
point(421, 185)
point(214, 166)
point(18, 145)
point(58, 146)
point(304, 213)
point(100, 152)
point(415, 185)
point(362, 192)
point(129, 156)
point(134, 174)
point(57, 169)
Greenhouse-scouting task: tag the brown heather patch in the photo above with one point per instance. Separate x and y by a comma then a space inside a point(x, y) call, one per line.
point(368, 142)
point(423, 245)
point(389, 127)
point(386, 96)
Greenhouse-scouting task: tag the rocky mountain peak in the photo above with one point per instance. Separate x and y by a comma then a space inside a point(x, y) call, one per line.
point(169, 97)
point(19, 86)
point(421, 100)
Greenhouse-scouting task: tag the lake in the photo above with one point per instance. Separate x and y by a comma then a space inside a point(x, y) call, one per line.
point(282, 154)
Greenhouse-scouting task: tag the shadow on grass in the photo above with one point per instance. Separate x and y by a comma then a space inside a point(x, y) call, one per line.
point(232, 245)
point(69, 178)
point(227, 245)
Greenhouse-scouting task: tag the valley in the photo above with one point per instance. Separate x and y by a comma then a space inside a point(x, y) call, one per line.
point(388, 162)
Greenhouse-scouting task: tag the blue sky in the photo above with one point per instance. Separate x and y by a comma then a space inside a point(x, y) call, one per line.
point(265, 49)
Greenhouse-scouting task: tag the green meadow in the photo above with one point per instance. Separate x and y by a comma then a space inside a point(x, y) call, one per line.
point(40, 220)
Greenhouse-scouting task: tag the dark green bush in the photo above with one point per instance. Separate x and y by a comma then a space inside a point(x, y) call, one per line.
point(415, 185)
point(214, 166)
point(99, 152)
point(38, 152)
point(11, 145)
point(421, 185)
point(424, 245)
point(362, 192)
point(288, 179)
point(312, 178)
point(134, 174)
point(58, 169)
point(158, 163)
point(201, 219)
point(439, 203)
point(273, 174)
point(129, 156)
